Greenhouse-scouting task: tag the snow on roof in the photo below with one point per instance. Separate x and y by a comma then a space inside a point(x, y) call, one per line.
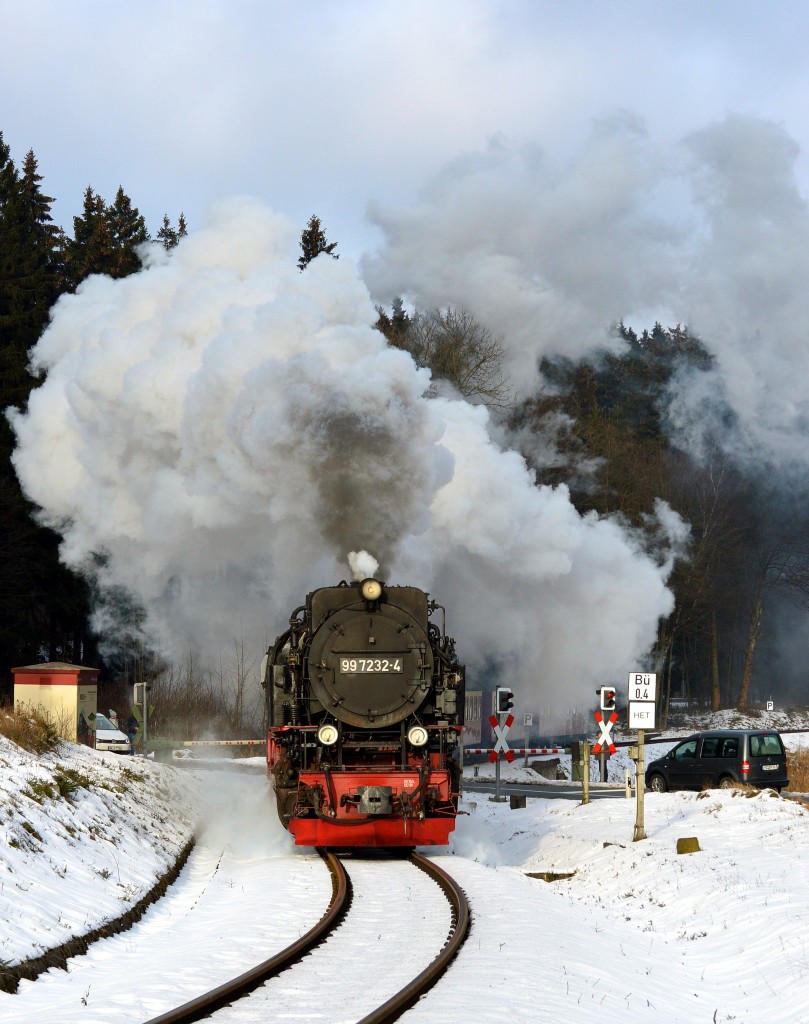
point(54, 666)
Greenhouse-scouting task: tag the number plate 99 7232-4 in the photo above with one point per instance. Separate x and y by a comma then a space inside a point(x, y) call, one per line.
point(352, 665)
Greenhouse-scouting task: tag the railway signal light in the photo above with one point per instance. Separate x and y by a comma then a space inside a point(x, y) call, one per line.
point(504, 700)
point(140, 692)
point(607, 695)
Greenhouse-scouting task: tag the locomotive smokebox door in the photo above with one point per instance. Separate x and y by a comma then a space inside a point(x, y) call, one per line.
point(375, 799)
point(371, 669)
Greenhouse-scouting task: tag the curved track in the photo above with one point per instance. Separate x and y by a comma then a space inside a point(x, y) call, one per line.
point(423, 982)
point(390, 1010)
point(223, 995)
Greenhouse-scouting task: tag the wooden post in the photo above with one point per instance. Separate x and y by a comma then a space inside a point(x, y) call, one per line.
point(640, 831)
point(585, 772)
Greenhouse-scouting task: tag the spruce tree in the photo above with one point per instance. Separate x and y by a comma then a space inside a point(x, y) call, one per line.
point(90, 249)
point(313, 243)
point(45, 277)
point(170, 235)
point(105, 238)
point(128, 232)
point(43, 607)
point(30, 273)
point(395, 326)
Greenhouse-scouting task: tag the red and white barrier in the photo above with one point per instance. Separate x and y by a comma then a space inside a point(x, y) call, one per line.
point(516, 750)
point(223, 743)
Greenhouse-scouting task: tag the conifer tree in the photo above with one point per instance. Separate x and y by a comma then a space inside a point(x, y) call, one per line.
point(170, 235)
point(128, 232)
point(90, 249)
point(43, 607)
point(167, 234)
point(30, 272)
point(394, 325)
point(105, 238)
point(9, 235)
point(313, 243)
point(46, 246)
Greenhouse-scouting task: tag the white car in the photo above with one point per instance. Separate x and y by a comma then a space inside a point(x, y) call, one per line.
point(108, 737)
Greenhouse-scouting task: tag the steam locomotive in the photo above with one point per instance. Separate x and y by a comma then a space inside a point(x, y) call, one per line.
point(365, 704)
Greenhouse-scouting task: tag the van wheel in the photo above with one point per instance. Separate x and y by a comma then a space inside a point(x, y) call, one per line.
point(657, 784)
point(726, 782)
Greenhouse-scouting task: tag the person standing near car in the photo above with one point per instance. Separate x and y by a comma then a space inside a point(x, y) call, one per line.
point(132, 732)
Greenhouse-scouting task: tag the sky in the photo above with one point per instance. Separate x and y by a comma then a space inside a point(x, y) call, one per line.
point(553, 168)
point(327, 108)
point(638, 932)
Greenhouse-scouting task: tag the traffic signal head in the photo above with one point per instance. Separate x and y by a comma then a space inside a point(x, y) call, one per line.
point(140, 691)
point(504, 700)
point(607, 694)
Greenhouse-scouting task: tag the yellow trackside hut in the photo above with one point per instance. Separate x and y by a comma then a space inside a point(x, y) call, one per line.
point(68, 694)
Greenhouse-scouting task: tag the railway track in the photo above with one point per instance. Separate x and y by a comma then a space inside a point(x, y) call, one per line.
point(282, 982)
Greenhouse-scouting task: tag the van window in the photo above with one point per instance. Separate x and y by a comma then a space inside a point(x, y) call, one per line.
point(730, 747)
point(710, 746)
point(766, 745)
point(686, 750)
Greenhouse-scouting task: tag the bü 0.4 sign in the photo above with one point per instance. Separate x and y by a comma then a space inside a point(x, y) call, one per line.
point(642, 686)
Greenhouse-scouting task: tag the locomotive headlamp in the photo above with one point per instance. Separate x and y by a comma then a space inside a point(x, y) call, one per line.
point(327, 734)
point(371, 590)
point(417, 735)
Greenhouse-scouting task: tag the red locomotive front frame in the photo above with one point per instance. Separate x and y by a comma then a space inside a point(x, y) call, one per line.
point(347, 824)
point(361, 806)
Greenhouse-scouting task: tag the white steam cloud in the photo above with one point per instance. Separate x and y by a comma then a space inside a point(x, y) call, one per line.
point(227, 432)
point(713, 233)
point(747, 295)
point(550, 256)
point(363, 566)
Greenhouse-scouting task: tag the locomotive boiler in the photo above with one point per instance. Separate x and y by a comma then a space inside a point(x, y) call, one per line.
point(365, 709)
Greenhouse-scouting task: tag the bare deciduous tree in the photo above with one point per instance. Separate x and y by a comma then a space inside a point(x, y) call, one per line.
point(459, 349)
point(782, 563)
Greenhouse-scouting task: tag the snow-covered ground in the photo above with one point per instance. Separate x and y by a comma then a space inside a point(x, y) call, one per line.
point(637, 933)
point(84, 835)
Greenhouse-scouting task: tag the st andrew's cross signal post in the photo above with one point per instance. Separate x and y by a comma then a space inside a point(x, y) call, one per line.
point(607, 695)
point(503, 703)
point(642, 694)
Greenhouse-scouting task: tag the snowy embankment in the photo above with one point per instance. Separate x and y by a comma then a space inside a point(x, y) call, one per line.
point(638, 932)
point(84, 837)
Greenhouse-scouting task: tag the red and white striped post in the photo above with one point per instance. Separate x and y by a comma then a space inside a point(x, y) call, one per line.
point(501, 744)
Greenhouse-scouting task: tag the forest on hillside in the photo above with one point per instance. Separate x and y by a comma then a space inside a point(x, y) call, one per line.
point(45, 608)
point(600, 426)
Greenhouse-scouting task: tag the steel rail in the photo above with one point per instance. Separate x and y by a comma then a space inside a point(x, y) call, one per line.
point(202, 1006)
point(423, 982)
